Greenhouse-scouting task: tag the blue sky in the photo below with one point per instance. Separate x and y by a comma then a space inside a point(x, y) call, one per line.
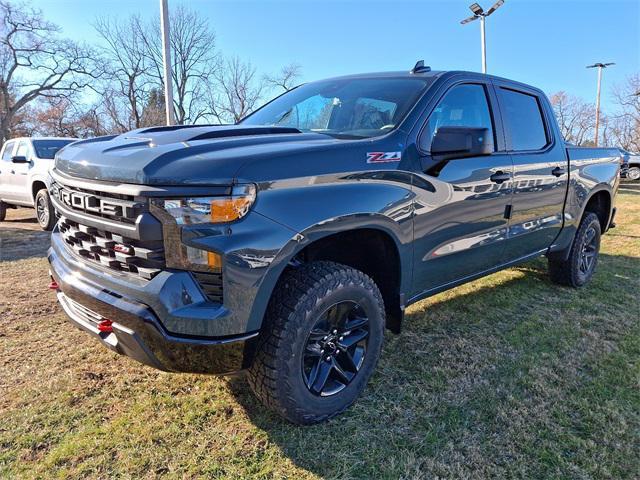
point(544, 42)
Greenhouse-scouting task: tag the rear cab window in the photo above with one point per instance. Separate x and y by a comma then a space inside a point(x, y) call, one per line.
point(524, 121)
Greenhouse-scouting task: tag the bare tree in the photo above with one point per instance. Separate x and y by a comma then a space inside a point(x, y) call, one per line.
point(194, 61)
point(128, 80)
point(575, 118)
point(626, 123)
point(286, 78)
point(35, 62)
point(237, 92)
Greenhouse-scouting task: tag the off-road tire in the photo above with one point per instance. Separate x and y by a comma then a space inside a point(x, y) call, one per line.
point(3, 211)
point(300, 299)
point(567, 272)
point(45, 212)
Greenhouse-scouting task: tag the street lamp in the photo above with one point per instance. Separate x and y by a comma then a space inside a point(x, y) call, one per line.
point(166, 60)
point(599, 66)
point(479, 13)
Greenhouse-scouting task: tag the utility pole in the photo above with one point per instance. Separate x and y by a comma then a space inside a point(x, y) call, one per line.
point(479, 13)
point(599, 66)
point(166, 59)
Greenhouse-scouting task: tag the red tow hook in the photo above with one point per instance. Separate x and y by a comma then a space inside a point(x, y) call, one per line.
point(53, 285)
point(105, 325)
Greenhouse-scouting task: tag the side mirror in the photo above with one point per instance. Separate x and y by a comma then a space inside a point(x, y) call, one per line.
point(19, 159)
point(461, 142)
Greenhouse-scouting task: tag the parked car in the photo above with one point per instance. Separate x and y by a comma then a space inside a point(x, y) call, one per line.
point(286, 244)
point(630, 166)
point(24, 168)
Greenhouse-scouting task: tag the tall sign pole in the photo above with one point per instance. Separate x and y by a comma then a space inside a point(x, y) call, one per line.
point(166, 59)
point(599, 66)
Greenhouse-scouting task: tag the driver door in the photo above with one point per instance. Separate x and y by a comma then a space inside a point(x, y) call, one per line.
point(461, 208)
point(20, 177)
point(6, 167)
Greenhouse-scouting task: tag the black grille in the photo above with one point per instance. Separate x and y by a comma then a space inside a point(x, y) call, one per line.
point(145, 259)
point(211, 284)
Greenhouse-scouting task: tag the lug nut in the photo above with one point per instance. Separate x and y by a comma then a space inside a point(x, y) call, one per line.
point(341, 338)
point(328, 358)
point(335, 331)
point(322, 352)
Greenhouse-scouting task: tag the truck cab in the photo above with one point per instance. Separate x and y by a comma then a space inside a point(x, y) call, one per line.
point(24, 167)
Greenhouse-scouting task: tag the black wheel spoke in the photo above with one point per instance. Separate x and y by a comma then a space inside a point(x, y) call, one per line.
point(353, 338)
point(345, 359)
point(342, 375)
point(323, 370)
point(317, 335)
point(356, 323)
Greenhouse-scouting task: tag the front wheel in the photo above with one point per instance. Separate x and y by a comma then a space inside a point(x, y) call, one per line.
point(578, 269)
point(44, 210)
point(633, 173)
point(321, 342)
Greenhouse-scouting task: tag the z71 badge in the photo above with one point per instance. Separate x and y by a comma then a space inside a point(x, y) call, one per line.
point(383, 157)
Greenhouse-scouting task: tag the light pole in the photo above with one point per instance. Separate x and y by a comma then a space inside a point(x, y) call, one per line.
point(599, 66)
point(166, 59)
point(479, 13)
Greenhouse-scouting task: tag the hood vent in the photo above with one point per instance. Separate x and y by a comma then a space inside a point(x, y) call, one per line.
point(242, 132)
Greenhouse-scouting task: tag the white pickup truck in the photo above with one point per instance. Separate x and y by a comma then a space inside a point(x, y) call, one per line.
point(24, 166)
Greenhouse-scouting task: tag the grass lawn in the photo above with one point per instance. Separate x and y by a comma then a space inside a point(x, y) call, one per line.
point(508, 376)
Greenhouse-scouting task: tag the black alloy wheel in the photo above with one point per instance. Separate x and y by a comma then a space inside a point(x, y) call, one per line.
point(335, 349)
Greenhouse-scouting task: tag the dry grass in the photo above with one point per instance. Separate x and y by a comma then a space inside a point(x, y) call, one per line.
point(506, 376)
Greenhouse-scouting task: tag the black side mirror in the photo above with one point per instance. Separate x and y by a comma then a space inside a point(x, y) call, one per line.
point(19, 159)
point(461, 142)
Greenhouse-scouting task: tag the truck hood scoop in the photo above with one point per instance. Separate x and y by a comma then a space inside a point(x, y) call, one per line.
point(178, 154)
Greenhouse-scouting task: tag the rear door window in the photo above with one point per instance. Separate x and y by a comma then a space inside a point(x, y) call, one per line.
point(524, 120)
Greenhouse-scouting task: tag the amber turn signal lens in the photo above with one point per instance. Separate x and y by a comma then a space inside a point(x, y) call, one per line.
point(230, 208)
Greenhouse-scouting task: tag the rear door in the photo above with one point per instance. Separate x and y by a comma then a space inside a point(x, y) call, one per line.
point(6, 167)
point(459, 218)
point(540, 170)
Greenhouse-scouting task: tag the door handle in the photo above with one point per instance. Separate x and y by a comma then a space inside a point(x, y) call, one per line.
point(557, 172)
point(500, 177)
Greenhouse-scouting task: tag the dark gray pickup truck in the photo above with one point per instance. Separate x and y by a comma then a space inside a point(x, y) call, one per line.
point(286, 244)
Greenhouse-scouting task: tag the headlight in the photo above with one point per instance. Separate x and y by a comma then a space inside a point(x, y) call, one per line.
point(180, 212)
point(222, 209)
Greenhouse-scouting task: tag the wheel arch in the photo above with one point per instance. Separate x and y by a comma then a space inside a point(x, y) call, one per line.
point(325, 241)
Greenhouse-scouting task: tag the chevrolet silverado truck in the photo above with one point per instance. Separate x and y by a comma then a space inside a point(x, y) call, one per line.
point(24, 168)
point(286, 245)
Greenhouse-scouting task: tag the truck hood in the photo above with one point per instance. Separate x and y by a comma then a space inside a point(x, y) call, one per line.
point(194, 155)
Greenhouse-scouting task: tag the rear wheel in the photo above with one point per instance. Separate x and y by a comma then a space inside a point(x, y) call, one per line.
point(578, 269)
point(633, 173)
point(322, 339)
point(3, 211)
point(44, 210)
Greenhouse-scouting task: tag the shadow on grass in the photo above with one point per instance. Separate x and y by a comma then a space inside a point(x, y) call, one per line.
point(19, 244)
point(418, 417)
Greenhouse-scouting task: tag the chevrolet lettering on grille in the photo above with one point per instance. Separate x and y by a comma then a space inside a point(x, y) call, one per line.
point(93, 204)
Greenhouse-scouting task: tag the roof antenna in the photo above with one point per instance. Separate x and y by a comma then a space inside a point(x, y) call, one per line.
point(420, 67)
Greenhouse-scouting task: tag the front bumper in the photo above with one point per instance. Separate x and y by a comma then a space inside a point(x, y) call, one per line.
point(137, 331)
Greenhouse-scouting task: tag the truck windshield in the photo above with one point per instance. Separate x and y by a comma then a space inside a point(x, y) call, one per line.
point(49, 148)
point(343, 108)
